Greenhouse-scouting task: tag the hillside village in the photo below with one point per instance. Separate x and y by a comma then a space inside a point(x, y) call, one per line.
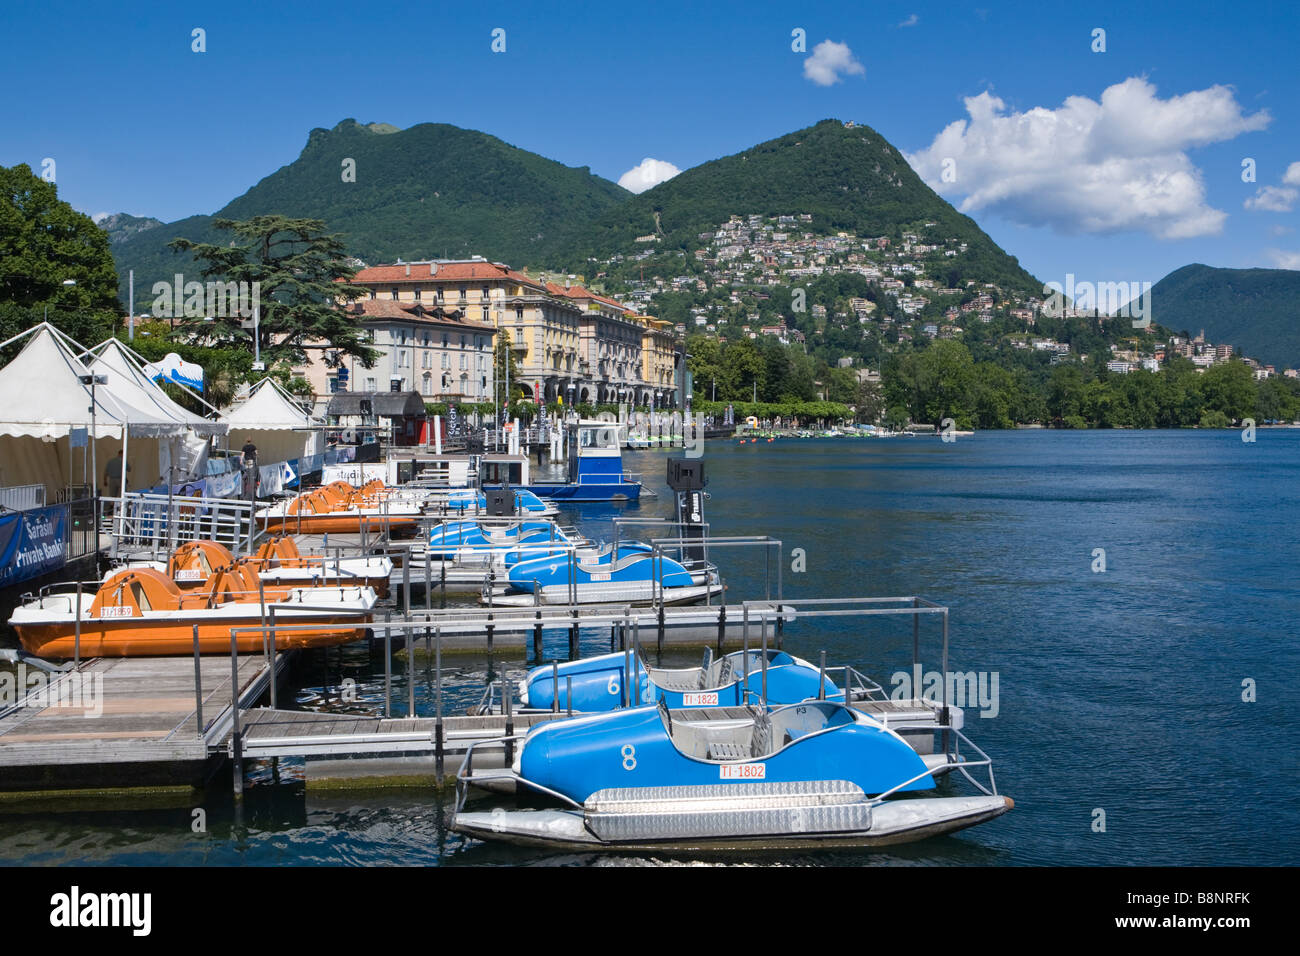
point(912, 292)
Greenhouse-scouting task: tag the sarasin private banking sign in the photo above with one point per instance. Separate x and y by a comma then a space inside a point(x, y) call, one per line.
point(32, 543)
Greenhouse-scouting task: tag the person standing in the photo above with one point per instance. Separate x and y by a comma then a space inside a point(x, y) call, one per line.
point(251, 477)
point(113, 476)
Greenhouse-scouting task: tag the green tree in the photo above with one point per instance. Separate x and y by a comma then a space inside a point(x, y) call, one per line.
point(705, 362)
point(743, 367)
point(995, 396)
point(45, 243)
point(943, 377)
point(1065, 392)
point(504, 357)
point(1275, 401)
point(1229, 387)
point(301, 276)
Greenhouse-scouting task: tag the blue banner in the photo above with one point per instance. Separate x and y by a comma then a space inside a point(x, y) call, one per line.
point(32, 543)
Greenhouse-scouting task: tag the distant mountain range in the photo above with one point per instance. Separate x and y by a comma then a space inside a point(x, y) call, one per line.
point(1257, 311)
point(436, 191)
point(122, 226)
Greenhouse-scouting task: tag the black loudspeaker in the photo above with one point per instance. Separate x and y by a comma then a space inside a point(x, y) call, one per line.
point(500, 501)
point(686, 474)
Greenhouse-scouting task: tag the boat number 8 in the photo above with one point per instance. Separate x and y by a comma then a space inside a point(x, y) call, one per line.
point(629, 757)
point(612, 686)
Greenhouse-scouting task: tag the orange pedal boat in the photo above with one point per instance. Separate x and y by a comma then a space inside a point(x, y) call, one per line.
point(277, 563)
point(140, 612)
point(339, 508)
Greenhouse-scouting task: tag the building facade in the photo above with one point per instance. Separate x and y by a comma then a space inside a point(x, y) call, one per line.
point(433, 350)
point(568, 342)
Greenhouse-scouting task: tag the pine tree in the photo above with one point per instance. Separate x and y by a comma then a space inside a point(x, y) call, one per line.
point(301, 278)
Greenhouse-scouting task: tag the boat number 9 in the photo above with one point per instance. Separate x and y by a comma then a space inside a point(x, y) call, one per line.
point(629, 757)
point(612, 686)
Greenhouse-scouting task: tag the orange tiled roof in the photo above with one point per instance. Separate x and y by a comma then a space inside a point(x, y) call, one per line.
point(416, 312)
point(474, 271)
point(578, 292)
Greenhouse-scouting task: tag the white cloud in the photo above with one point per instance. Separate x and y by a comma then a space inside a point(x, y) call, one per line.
point(100, 217)
point(1280, 231)
point(828, 61)
point(1273, 199)
point(1292, 175)
point(649, 172)
point(1285, 260)
point(911, 21)
point(1115, 165)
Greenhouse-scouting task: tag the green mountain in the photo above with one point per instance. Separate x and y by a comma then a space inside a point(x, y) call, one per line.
point(426, 192)
point(848, 177)
point(1257, 311)
point(436, 190)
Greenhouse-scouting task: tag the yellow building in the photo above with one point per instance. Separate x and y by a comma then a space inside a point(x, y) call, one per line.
point(568, 342)
point(543, 328)
point(658, 365)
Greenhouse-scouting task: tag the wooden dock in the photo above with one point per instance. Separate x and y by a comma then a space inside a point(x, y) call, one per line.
point(147, 723)
point(132, 720)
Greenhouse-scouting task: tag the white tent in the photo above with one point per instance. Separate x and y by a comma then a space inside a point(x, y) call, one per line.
point(275, 423)
point(43, 400)
point(128, 381)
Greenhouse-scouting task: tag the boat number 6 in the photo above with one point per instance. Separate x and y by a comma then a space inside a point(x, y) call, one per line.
point(629, 757)
point(612, 686)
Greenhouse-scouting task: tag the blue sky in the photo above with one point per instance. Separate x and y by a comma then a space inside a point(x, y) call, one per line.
point(1125, 185)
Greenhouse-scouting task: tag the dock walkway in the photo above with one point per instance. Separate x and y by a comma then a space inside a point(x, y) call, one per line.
point(126, 711)
point(289, 733)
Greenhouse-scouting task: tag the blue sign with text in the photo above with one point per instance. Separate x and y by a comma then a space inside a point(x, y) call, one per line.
point(32, 543)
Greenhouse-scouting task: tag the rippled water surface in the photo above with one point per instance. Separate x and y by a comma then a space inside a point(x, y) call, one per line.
point(1119, 691)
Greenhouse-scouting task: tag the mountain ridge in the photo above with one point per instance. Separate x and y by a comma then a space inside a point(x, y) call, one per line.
point(846, 175)
point(515, 203)
point(449, 192)
point(1257, 311)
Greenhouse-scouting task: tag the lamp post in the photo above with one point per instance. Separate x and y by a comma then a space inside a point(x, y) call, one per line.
point(92, 381)
point(257, 340)
point(66, 283)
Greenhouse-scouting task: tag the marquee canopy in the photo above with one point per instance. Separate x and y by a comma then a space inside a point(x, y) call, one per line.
point(43, 395)
point(128, 381)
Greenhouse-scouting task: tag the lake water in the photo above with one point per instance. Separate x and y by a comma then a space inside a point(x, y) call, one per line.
point(1120, 692)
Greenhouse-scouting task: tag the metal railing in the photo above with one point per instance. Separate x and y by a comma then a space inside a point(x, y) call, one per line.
point(159, 523)
point(759, 621)
point(22, 497)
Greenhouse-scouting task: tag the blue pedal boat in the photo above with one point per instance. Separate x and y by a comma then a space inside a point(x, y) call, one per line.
point(467, 501)
point(459, 536)
point(635, 577)
point(811, 774)
point(601, 684)
point(652, 746)
point(535, 568)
